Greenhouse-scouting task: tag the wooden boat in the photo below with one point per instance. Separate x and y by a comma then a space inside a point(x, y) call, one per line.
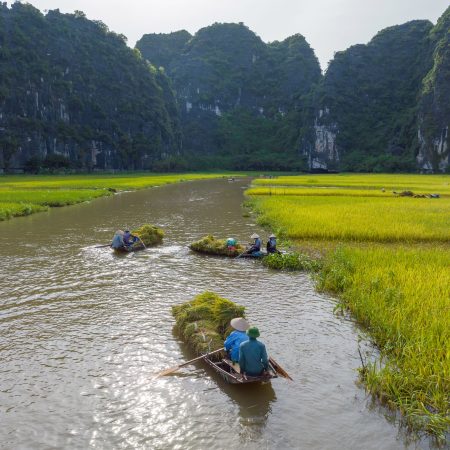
point(133, 248)
point(226, 370)
point(257, 255)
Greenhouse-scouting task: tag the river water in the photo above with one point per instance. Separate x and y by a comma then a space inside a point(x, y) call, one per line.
point(82, 331)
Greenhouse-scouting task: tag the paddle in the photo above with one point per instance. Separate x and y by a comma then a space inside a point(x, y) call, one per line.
point(142, 242)
point(174, 369)
point(279, 370)
point(103, 246)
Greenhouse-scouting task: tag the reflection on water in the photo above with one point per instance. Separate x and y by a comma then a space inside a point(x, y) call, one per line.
point(82, 331)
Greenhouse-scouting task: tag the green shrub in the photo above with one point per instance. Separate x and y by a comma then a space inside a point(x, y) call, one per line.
point(291, 262)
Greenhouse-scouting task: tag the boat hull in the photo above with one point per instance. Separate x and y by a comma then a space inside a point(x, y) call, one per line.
point(134, 248)
point(225, 370)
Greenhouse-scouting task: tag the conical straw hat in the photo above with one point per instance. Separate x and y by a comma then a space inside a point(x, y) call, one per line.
point(239, 323)
point(254, 236)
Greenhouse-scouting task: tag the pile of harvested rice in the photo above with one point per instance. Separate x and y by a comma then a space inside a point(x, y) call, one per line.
point(149, 234)
point(212, 246)
point(204, 321)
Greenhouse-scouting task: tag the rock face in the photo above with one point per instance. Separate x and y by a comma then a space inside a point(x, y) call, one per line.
point(324, 155)
point(238, 96)
point(72, 91)
point(434, 106)
point(366, 103)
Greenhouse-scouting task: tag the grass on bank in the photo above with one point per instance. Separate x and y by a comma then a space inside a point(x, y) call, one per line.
point(402, 297)
point(10, 210)
point(388, 260)
point(25, 194)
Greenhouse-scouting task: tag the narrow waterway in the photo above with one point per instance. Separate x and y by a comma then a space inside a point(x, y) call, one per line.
point(82, 331)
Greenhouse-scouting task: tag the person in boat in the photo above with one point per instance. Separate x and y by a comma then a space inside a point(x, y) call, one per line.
point(253, 359)
point(236, 337)
point(128, 238)
point(256, 246)
point(272, 244)
point(231, 244)
point(117, 241)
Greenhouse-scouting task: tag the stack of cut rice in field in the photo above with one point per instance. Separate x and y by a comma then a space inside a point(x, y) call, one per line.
point(212, 246)
point(149, 235)
point(204, 321)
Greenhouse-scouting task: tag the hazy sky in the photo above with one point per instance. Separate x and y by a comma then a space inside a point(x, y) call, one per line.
point(328, 25)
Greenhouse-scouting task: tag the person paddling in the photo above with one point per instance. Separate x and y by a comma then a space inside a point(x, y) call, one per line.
point(272, 244)
point(235, 339)
point(256, 246)
point(128, 238)
point(253, 359)
point(117, 241)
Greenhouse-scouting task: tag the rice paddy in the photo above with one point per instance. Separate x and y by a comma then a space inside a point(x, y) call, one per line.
point(387, 259)
point(357, 218)
point(389, 182)
point(22, 194)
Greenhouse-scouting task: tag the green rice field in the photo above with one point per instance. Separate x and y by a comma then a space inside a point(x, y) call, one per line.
point(387, 259)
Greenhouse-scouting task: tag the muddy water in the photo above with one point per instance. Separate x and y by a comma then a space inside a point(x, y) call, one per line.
point(82, 331)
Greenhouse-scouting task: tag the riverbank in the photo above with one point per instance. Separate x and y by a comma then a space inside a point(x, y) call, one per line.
point(22, 195)
point(387, 259)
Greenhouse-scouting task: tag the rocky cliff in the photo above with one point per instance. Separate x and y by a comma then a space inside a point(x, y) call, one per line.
point(238, 96)
point(434, 106)
point(71, 90)
point(366, 103)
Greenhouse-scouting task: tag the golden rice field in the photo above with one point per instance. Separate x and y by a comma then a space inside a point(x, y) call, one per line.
point(350, 218)
point(439, 184)
point(388, 261)
point(21, 195)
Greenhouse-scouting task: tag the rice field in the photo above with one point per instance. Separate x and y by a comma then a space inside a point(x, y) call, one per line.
point(9, 210)
point(387, 258)
point(402, 297)
point(439, 184)
point(362, 219)
point(22, 194)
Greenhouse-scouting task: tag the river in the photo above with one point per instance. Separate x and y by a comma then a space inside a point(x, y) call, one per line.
point(82, 331)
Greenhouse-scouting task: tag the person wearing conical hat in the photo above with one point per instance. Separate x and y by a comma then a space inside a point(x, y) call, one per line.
point(253, 359)
point(236, 337)
point(256, 246)
point(272, 244)
point(117, 241)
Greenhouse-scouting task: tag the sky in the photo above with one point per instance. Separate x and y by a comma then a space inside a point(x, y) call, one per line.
point(328, 25)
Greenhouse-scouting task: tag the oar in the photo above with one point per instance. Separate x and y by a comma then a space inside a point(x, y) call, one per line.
point(245, 251)
point(174, 369)
point(142, 242)
point(279, 370)
point(103, 246)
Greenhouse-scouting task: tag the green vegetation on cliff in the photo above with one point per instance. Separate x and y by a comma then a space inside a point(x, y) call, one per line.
point(370, 93)
point(434, 113)
point(70, 87)
point(238, 96)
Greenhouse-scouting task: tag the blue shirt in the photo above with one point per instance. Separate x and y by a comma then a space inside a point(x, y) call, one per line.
point(253, 357)
point(233, 341)
point(117, 241)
